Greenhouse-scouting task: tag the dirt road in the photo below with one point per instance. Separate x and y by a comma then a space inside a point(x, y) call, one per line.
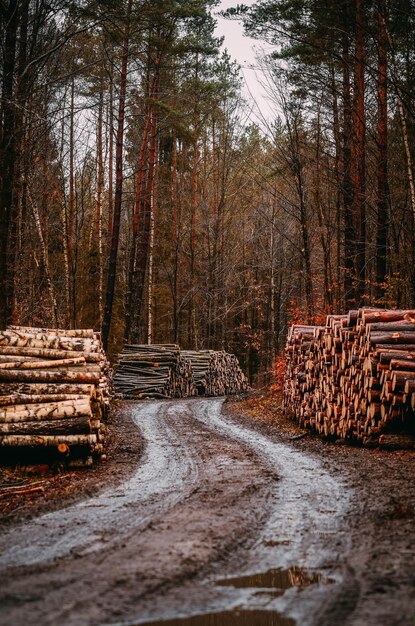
point(226, 519)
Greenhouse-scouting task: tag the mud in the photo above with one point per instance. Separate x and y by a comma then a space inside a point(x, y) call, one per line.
point(229, 618)
point(219, 518)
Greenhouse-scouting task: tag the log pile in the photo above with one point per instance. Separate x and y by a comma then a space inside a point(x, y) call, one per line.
point(165, 371)
point(216, 373)
point(354, 378)
point(54, 392)
point(154, 371)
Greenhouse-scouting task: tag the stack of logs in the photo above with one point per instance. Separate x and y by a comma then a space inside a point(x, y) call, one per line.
point(160, 371)
point(54, 393)
point(353, 378)
point(216, 373)
point(154, 371)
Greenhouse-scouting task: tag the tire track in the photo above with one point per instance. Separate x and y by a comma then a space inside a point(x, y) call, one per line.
point(165, 476)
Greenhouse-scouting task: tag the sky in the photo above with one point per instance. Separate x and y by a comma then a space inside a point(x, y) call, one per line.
point(244, 50)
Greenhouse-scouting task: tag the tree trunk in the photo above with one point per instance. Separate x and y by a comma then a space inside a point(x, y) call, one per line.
point(112, 264)
point(382, 153)
point(176, 239)
point(7, 157)
point(71, 216)
point(100, 188)
point(129, 314)
point(150, 256)
point(45, 262)
point(359, 151)
point(347, 189)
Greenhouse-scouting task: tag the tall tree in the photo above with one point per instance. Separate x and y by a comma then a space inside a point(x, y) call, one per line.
point(119, 179)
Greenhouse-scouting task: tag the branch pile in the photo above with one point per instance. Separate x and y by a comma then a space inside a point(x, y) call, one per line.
point(54, 391)
point(160, 371)
point(154, 371)
point(354, 378)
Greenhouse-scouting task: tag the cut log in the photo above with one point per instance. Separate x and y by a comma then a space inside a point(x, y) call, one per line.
point(47, 440)
point(51, 427)
point(62, 376)
point(16, 399)
point(45, 353)
point(42, 364)
point(48, 411)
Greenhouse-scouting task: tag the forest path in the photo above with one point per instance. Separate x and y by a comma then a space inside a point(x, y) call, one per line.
point(210, 499)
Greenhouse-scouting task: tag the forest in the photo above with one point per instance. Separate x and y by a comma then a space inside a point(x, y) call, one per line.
point(138, 197)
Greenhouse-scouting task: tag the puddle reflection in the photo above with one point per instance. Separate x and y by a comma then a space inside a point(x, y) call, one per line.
point(278, 579)
point(229, 618)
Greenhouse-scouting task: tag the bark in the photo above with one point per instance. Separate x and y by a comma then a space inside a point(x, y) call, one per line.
point(46, 411)
point(100, 189)
point(359, 151)
point(60, 427)
point(347, 189)
point(60, 376)
point(71, 214)
point(382, 153)
point(193, 211)
point(23, 352)
point(337, 143)
point(112, 264)
point(47, 440)
point(138, 205)
point(37, 365)
point(153, 211)
point(60, 388)
point(82, 333)
point(176, 235)
point(143, 239)
point(25, 398)
point(110, 153)
point(7, 157)
point(45, 261)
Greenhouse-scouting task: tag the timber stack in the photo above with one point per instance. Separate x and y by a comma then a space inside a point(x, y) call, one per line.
point(154, 371)
point(54, 394)
point(216, 373)
point(354, 378)
point(165, 371)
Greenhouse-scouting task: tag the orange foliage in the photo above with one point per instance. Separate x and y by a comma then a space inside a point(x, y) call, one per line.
point(278, 373)
point(298, 315)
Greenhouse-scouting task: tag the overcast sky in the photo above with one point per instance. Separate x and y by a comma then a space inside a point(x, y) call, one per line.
point(244, 50)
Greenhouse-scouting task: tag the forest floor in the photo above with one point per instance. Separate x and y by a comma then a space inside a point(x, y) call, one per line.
point(222, 512)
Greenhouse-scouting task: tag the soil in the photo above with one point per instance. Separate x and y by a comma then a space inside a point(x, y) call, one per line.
point(195, 499)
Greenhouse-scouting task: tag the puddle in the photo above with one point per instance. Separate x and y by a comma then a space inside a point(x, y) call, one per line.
point(228, 618)
point(277, 579)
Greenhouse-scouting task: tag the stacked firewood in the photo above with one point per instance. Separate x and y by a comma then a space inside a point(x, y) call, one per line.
point(160, 371)
point(216, 373)
point(354, 379)
point(54, 391)
point(154, 371)
point(200, 361)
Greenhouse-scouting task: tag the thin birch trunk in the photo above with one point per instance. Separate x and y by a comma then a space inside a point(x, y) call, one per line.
point(45, 261)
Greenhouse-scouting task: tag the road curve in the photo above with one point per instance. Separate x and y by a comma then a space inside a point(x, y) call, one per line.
point(208, 495)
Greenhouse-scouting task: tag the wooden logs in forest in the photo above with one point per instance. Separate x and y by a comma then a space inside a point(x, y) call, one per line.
point(354, 378)
point(153, 371)
point(54, 391)
point(165, 371)
point(216, 373)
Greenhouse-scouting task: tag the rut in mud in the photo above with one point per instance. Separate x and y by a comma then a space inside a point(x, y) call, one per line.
point(219, 524)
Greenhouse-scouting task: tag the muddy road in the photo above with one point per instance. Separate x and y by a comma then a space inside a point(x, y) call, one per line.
point(222, 522)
